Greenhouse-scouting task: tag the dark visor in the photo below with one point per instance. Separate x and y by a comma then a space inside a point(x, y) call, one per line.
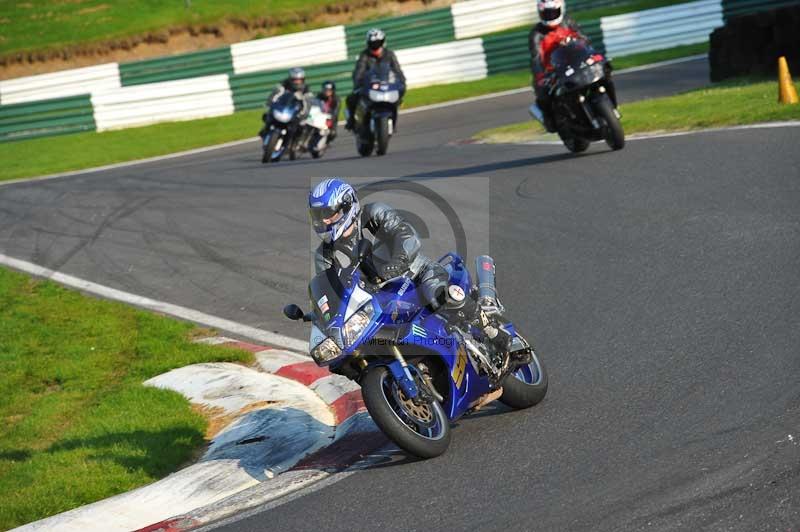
point(318, 215)
point(550, 13)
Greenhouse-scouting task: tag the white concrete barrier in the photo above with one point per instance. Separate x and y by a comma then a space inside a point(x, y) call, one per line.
point(160, 102)
point(664, 27)
point(443, 63)
point(479, 17)
point(296, 49)
point(59, 84)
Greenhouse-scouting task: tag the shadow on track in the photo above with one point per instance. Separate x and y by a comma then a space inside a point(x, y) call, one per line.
point(503, 165)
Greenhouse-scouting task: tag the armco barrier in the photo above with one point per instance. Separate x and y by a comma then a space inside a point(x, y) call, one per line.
point(418, 29)
point(250, 90)
point(306, 48)
point(160, 102)
point(43, 118)
point(59, 84)
point(443, 63)
point(479, 17)
point(508, 51)
point(180, 66)
point(656, 29)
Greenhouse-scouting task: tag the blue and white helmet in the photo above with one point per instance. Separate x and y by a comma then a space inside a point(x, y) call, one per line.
point(334, 208)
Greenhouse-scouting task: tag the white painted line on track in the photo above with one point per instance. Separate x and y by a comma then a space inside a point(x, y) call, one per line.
point(413, 110)
point(207, 320)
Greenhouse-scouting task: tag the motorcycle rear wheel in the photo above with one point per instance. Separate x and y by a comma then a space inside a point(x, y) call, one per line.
point(527, 386)
point(573, 143)
point(420, 430)
point(364, 147)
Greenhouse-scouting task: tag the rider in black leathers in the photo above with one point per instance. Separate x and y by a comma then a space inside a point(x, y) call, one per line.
point(338, 218)
point(375, 53)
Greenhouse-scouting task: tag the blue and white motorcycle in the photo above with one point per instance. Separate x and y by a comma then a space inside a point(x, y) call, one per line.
point(281, 133)
point(419, 370)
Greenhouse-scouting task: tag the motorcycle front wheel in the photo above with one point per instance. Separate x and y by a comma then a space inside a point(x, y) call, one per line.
point(269, 148)
point(422, 430)
point(382, 134)
point(612, 132)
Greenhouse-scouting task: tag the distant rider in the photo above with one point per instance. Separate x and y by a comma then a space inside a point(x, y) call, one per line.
point(543, 39)
point(339, 220)
point(374, 54)
point(330, 104)
point(295, 82)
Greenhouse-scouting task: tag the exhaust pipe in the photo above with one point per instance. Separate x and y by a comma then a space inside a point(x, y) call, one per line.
point(487, 289)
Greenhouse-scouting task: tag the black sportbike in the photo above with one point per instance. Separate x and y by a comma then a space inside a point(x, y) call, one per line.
point(282, 128)
point(584, 102)
point(376, 111)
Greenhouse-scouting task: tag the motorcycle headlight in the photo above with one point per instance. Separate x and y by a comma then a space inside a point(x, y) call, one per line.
point(356, 325)
point(282, 115)
point(326, 351)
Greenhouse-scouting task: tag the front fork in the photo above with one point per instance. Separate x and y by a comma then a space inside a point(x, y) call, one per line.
point(402, 374)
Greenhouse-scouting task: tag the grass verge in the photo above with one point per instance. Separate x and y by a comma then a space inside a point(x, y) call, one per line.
point(44, 24)
point(78, 425)
point(726, 104)
point(29, 158)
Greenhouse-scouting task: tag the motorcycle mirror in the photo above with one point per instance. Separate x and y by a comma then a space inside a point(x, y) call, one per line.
point(293, 312)
point(364, 249)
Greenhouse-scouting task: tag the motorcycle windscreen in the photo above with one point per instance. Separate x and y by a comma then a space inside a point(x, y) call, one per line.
point(381, 73)
point(327, 291)
point(571, 55)
point(570, 64)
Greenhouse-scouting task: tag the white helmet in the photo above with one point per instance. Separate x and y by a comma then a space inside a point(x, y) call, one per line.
point(551, 12)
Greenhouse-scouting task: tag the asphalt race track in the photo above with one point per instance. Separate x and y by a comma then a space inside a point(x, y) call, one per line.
point(660, 284)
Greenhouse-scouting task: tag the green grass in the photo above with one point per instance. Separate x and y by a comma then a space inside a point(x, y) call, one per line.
point(647, 58)
point(628, 7)
point(46, 24)
point(35, 157)
point(38, 25)
point(728, 104)
point(77, 424)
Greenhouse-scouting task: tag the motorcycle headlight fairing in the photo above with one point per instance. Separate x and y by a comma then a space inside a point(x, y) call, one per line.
point(326, 351)
point(282, 115)
point(384, 96)
point(356, 324)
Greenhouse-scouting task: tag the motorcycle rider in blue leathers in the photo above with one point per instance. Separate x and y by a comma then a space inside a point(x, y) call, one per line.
point(339, 220)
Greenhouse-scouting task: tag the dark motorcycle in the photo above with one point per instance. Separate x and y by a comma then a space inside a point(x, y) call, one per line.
point(583, 109)
point(282, 130)
point(376, 112)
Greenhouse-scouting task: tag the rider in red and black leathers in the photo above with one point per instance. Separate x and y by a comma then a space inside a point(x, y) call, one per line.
point(330, 104)
point(375, 53)
point(553, 27)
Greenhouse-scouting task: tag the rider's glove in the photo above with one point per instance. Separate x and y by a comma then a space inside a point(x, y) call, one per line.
point(396, 268)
